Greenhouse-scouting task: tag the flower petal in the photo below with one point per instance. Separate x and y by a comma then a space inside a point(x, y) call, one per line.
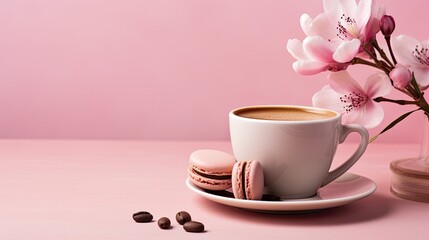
point(364, 10)
point(373, 114)
point(422, 77)
point(347, 50)
point(340, 7)
point(377, 85)
point(353, 117)
point(309, 67)
point(343, 83)
point(369, 116)
point(321, 26)
point(294, 47)
point(329, 99)
point(305, 22)
point(373, 25)
point(403, 47)
point(319, 48)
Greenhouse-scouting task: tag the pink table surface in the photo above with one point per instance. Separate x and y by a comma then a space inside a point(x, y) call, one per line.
point(64, 189)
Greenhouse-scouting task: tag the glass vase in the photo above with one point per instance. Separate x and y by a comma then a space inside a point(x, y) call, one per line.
point(410, 177)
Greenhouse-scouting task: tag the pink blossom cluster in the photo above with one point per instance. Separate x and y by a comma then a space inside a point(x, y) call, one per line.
point(346, 34)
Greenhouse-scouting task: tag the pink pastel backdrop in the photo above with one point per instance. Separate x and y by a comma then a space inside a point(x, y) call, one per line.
point(159, 69)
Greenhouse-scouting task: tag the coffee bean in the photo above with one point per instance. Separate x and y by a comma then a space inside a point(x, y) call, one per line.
point(193, 226)
point(183, 217)
point(164, 223)
point(142, 216)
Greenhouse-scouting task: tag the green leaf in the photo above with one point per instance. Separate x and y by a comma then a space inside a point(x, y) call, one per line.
point(392, 124)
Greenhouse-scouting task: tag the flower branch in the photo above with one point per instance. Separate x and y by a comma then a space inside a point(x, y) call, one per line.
point(383, 54)
point(357, 60)
point(400, 102)
point(378, 63)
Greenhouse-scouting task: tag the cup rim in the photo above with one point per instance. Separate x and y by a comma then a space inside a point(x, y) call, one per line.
point(232, 113)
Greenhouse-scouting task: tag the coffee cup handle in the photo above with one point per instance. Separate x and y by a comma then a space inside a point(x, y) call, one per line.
point(345, 131)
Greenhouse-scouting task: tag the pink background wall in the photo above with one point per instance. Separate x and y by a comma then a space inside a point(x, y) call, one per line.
point(158, 69)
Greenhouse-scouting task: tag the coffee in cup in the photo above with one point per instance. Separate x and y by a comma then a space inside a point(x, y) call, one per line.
point(284, 114)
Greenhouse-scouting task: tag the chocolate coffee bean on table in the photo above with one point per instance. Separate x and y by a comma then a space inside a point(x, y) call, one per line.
point(142, 217)
point(164, 223)
point(193, 226)
point(183, 217)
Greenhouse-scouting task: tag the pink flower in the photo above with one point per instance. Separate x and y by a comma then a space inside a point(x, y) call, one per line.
point(400, 76)
point(356, 104)
point(414, 54)
point(314, 55)
point(345, 25)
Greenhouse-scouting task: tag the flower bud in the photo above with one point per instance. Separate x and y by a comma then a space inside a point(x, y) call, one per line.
point(387, 25)
point(400, 76)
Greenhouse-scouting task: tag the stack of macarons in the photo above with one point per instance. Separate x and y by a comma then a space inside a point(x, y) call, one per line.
point(217, 170)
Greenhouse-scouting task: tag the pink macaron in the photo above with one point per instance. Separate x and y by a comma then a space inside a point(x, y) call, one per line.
point(248, 180)
point(211, 169)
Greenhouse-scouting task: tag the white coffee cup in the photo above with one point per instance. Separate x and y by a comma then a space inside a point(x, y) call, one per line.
point(294, 144)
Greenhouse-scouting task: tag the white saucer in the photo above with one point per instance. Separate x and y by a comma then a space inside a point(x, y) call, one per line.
point(344, 190)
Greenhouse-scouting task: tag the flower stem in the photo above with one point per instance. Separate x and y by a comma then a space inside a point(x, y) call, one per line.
point(373, 56)
point(414, 89)
point(400, 102)
point(365, 62)
point(424, 105)
point(389, 45)
point(380, 64)
point(382, 53)
point(420, 102)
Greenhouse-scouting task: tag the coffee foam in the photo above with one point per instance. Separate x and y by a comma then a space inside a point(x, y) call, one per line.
point(284, 113)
